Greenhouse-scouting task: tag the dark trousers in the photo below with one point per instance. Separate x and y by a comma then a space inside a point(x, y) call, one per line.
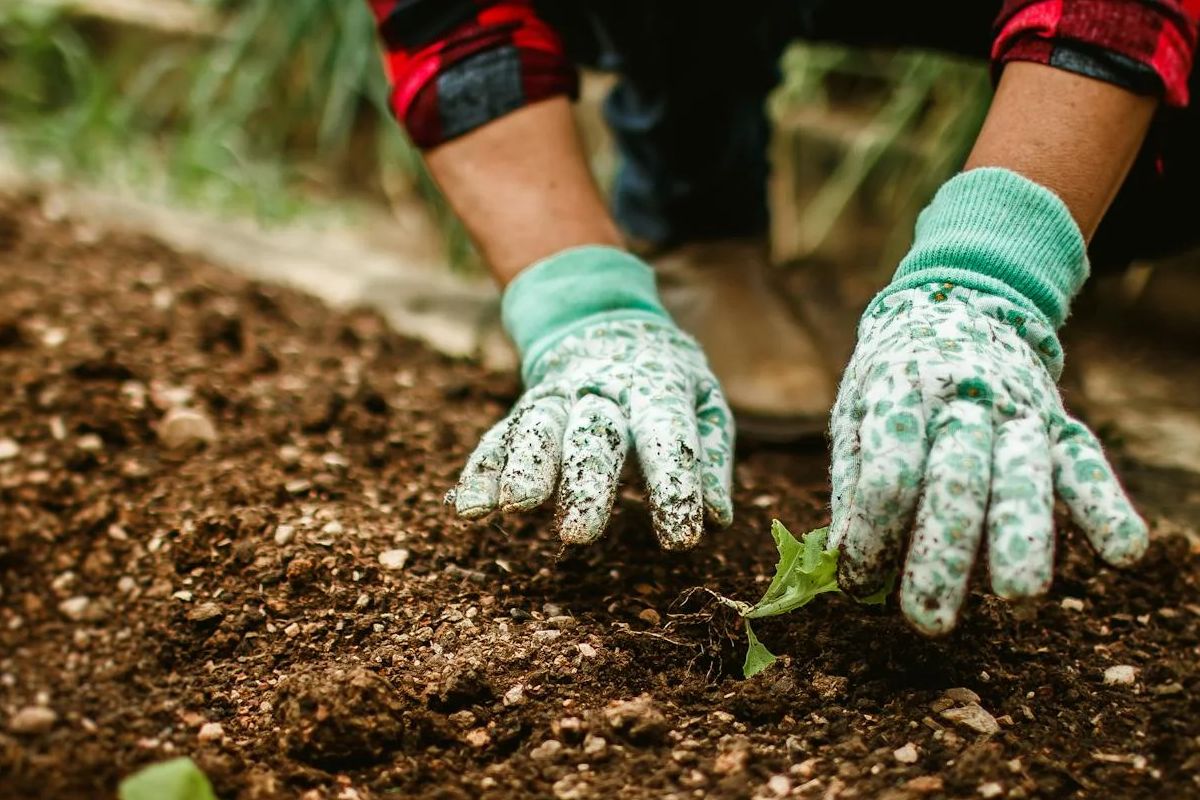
point(689, 111)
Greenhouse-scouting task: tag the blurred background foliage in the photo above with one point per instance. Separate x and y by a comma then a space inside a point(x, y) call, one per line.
point(267, 107)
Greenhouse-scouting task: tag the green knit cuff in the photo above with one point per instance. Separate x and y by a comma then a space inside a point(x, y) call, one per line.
point(559, 294)
point(995, 231)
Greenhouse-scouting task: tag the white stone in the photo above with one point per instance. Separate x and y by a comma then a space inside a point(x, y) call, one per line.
point(9, 449)
point(1120, 675)
point(780, 785)
point(1072, 604)
point(906, 754)
point(284, 534)
point(990, 789)
point(75, 608)
point(547, 750)
point(515, 696)
point(90, 443)
point(394, 559)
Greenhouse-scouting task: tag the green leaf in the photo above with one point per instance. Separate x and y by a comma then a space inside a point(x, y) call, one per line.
point(805, 570)
point(758, 657)
point(177, 779)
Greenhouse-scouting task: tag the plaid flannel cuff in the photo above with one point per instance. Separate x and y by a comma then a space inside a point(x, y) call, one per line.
point(455, 66)
point(1145, 46)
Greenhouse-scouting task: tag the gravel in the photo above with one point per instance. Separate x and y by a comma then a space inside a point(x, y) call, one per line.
point(1120, 675)
point(33, 720)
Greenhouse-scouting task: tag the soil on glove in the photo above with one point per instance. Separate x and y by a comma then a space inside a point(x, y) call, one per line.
point(222, 535)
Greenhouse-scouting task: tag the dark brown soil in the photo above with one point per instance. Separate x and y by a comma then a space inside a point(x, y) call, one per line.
point(490, 664)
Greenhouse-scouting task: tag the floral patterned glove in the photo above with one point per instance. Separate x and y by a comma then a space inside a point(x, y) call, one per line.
point(605, 368)
point(948, 420)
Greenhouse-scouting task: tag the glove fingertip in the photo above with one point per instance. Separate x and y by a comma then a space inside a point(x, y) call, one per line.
point(472, 501)
point(1127, 544)
point(930, 614)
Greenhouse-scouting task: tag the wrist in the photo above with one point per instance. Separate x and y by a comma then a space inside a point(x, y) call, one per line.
point(574, 288)
point(995, 231)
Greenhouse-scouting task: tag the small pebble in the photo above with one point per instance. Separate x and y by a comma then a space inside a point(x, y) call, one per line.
point(925, 784)
point(960, 694)
point(186, 427)
point(906, 754)
point(1072, 604)
point(479, 738)
point(9, 449)
point(394, 559)
point(650, 616)
point(990, 789)
point(586, 650)
point(75, 608)
point(284, 534)
point(90, 443)
point(780, 785)
point(547, 750)
point(211, 732)
point(515, 696)
point(973, 716)
point(594, 745)
point(205, 612)
point(33, 719)
point(1120, 675)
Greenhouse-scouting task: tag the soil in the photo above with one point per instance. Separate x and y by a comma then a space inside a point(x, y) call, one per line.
point(153, 583)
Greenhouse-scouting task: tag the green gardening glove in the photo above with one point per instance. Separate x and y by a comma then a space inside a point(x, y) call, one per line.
point(605, 369)
point(948, 420)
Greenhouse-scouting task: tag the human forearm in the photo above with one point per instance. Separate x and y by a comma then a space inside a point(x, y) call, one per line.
point(522, 187)
point(1074, 135)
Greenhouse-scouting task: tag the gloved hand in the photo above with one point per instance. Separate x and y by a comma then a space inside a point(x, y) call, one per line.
point(948, 420)
point(604, 368)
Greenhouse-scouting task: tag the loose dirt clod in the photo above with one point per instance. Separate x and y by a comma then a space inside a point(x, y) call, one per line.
point(338, 718)
point(637, 720)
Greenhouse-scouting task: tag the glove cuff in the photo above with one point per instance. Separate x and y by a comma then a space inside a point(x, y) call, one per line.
point(557, 295)
point(993, 230)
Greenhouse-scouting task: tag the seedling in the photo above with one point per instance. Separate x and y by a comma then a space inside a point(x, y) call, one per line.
point(805, 569)
point(177, 779)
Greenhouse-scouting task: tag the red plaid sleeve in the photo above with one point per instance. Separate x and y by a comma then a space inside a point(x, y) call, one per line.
point(455, 65)
point(1146, 46)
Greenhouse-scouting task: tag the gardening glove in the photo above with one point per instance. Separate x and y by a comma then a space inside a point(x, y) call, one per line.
point(948, 420)
point(604, 368)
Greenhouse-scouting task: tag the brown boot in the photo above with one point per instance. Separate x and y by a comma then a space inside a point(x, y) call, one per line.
point(773, 372)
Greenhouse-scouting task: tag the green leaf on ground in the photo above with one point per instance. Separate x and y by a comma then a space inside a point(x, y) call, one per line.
point(177, 779)
point(758, 657)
